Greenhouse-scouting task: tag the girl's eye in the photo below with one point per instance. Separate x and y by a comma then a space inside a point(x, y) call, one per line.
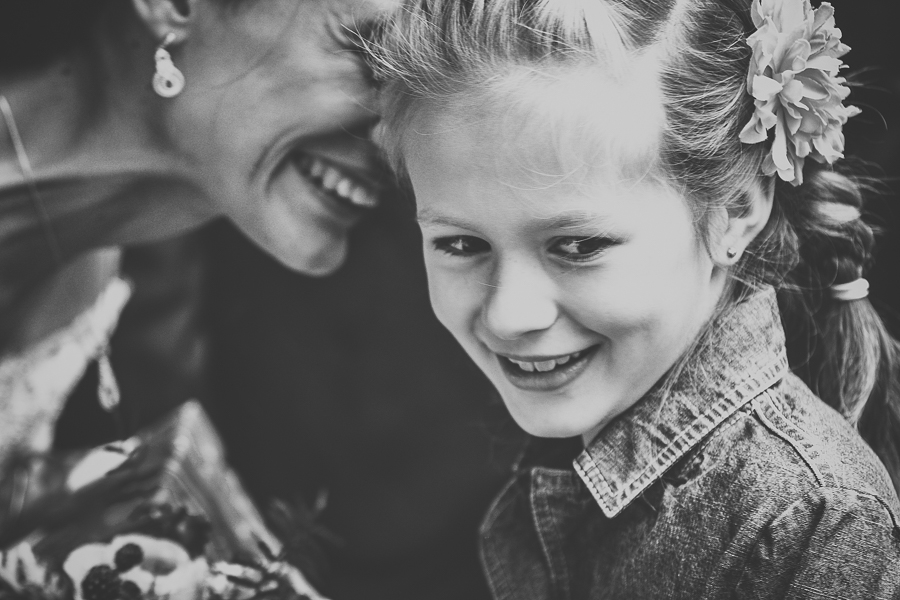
point(580, 248)
point(461, 245)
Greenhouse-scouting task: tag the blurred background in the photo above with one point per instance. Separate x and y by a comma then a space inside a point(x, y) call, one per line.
point(345, 397)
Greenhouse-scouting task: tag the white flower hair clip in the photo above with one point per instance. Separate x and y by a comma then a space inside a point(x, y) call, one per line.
point(794, 80)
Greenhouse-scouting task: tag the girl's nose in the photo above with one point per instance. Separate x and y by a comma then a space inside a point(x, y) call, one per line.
point(521, 301)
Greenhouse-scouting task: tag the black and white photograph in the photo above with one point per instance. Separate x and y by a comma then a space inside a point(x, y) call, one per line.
point(449, 300)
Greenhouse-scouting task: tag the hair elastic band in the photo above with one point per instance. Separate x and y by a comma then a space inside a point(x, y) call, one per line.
point(854, 290)
point(838, 212)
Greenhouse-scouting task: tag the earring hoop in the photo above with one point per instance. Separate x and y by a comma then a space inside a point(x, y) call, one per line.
point(168, 81)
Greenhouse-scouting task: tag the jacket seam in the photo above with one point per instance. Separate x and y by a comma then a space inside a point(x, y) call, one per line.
point(687, 439)
point(499, 589)
point(768, 411)
point(538, 512)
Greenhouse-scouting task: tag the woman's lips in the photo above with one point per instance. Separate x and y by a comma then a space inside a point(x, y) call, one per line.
point(337, 181)
point(544, 374)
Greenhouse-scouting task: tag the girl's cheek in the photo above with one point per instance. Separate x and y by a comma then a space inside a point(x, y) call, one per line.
point(449, 298)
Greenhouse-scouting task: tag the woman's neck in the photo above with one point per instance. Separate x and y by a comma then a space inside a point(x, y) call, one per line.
point(105, 177)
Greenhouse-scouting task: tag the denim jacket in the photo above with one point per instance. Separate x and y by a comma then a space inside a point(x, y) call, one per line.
point(739, 484)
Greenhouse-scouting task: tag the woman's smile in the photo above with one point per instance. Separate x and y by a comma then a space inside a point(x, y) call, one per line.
point(337, 181)
point(344, 192)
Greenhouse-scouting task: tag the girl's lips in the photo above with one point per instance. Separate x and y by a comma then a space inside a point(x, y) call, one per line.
point(547, 374)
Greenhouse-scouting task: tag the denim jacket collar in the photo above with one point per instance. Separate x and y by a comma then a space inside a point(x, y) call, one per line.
point(744, 355)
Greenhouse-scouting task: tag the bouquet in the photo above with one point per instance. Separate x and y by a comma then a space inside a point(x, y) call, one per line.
point(158, 516)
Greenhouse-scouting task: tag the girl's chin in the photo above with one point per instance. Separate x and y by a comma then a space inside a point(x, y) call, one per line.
point(540, 424)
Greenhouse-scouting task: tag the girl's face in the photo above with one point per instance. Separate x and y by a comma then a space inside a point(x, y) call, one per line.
point(572, 286)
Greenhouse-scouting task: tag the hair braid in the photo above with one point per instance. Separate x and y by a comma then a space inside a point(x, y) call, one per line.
point(842, 350)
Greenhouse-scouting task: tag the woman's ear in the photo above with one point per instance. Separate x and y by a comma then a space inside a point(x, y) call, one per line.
point(163, 17)
point(741, 229)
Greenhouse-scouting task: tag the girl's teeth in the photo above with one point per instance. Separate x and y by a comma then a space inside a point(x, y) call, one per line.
point(545, 365)
point(316, 168)
point(344, 187)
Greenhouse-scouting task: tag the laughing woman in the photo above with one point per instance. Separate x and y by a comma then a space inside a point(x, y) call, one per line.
point(124, 122)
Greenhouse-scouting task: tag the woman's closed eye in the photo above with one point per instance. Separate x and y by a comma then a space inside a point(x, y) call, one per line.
point(461, 245)
point(581, 249)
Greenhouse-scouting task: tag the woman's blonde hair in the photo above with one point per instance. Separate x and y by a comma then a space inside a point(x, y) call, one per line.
point(439, 51)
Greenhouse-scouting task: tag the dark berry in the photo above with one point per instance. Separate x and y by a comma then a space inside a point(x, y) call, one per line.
point(130, 591)
point(193, 533)
point(128, 557)
point(101, 583)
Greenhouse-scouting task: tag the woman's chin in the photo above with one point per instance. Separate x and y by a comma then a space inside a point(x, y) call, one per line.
point(319, 261)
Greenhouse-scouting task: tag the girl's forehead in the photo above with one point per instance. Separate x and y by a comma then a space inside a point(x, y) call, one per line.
point(546, 124)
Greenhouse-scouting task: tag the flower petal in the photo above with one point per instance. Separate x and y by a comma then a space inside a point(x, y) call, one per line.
point(823, 62)
point(779, 147)
point(765, 88)
point(754, 132)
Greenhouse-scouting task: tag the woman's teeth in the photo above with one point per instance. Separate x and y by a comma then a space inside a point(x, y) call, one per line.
point(333, 181)
point(544, 365)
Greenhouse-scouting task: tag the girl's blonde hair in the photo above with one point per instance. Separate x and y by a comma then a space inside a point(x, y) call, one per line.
point(440, 51)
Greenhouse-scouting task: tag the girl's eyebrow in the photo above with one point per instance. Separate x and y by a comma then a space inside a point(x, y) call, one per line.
point(575, 219)
point(427, 217)
point(567, 220)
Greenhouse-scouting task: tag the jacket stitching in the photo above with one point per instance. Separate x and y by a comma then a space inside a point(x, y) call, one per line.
point(717, 433)
point(496, 578)
point(804, 444)
point(540, 512)
point(689, 437)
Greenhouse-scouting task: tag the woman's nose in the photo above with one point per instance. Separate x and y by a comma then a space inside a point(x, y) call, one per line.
point(520, 301)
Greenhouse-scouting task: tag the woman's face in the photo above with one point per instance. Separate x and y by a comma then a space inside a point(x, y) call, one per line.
point(275, 118)
point(573, 286)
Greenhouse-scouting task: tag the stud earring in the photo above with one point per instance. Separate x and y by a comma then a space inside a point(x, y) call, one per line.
point(168, 81)
point(731, 253)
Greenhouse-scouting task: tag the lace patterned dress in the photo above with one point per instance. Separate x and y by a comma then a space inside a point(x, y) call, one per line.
point(35, 383)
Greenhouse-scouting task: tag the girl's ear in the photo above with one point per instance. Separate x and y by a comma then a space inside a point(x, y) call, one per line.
point(741, 229)
point(163, 17)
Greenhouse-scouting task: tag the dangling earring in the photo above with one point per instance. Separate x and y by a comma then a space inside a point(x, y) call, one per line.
point(168, 81)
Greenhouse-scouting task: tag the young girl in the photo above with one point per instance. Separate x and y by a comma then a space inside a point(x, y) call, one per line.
point(618, 212)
